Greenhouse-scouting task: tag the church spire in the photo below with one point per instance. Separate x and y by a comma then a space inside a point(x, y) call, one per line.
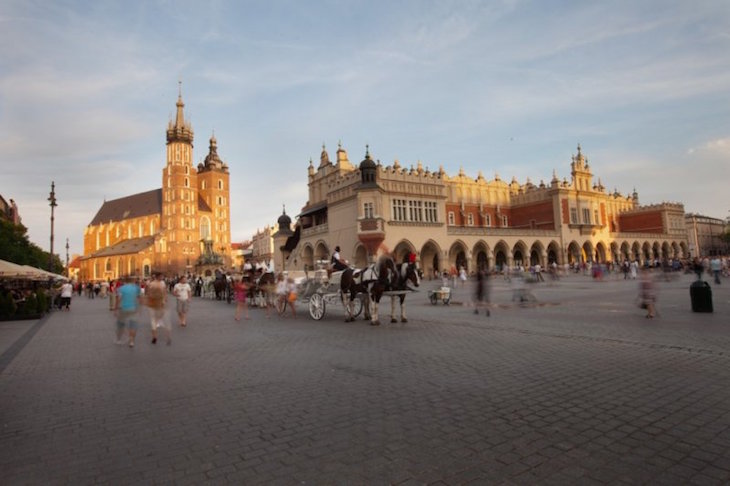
point(180, 130)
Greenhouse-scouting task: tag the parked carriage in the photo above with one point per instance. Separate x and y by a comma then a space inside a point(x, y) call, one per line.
point(322, 291)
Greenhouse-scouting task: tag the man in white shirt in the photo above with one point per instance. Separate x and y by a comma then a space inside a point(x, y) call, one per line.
point(67, 291)
point(182, 292)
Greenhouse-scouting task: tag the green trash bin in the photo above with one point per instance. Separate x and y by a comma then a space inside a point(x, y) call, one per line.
point(701, 295)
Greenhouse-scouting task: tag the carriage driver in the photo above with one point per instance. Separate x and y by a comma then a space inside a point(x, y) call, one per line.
point(338, 263)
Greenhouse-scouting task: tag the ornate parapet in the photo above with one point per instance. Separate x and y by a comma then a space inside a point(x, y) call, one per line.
point(482, 231)
point(315, 230)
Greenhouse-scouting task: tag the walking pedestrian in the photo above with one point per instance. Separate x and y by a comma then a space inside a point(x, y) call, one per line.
point(67, 290)
point(156, 297)
point(127, 305)
point(647, 294)
point(182, 292)
point(291, 295)
point(482, 291)
point(240, 290)
point(716, 267)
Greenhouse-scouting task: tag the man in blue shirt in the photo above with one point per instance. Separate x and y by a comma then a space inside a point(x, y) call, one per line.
point(128, 300)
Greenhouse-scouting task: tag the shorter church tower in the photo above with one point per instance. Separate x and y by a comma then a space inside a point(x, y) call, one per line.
point(213, 186)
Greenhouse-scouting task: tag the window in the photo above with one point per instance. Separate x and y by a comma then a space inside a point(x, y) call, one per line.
point(573, 216)
point(368, 210)
point(470, 219)
point(203, 185)
point(487, 220)
point(415, 210)
point(129, 231)
point(504, 221)
point(220, 184)
point(140, 229)
point(595, 217)
point(187, 171)
point(431, 214)
point(399, 210)
point(451, 218)
point(204, 228)
point(586, 216)
point(187, 182)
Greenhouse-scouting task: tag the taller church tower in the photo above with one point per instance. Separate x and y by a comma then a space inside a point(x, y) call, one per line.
point(178, 243)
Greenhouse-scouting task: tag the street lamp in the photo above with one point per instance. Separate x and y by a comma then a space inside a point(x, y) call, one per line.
point(52, 203)
point(68, 270)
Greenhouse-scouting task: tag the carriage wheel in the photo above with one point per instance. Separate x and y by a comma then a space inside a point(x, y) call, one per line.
point(316, 306)
point(357, 306)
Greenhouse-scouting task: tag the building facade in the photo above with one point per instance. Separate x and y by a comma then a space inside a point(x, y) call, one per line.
point(262, 244)
point(706, 235)
point(451, 221)
point(9, 211)
point(168, 229)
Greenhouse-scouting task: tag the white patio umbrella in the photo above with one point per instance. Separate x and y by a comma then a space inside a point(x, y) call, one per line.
point(13, 270)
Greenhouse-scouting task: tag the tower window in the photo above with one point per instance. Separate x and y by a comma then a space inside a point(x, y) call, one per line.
point(220, 184)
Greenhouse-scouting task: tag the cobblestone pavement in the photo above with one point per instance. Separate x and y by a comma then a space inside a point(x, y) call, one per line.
point(578, 388)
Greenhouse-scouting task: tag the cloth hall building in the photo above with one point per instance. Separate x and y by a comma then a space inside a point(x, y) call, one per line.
point(167, 229)
point(452, 221)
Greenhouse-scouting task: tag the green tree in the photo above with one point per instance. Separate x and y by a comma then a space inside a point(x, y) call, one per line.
point(17, 248)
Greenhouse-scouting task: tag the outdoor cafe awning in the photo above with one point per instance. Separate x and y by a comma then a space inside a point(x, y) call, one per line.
point(10, 270)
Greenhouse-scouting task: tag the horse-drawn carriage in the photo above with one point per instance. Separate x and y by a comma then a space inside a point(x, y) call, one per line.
point(358, 289)
point(322, 291)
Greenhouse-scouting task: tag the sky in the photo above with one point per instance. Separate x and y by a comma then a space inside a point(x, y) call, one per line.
point(503, 87)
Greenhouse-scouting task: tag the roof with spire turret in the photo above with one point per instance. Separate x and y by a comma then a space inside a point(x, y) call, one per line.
point(180, 130)
point(212, 160)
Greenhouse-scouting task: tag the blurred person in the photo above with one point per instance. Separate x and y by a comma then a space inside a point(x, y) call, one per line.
point(240, 289)
point(291, 295)
point(182, 292)
point(126, 307)
point(716, 268)
point(482, 291)
point(647, 294)
point(67, 291)
point(156, 297)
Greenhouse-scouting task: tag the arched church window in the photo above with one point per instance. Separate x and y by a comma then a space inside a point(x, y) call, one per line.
point(204, 228)
point(220, 184)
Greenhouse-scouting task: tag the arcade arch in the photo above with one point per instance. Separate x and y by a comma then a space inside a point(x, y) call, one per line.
point(502, 255)
point(519, 254)
point(553, 253)
point(480, 253)
point(536, 252)
point(430, 261)
point(457, 255)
